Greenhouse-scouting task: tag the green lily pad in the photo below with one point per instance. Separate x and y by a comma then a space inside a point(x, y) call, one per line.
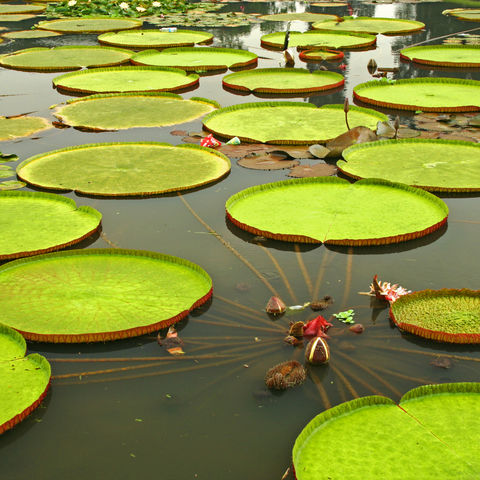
point(373, 25)
point(34, 222)
point(11, 9)
point(11, 185)
point(99, 294)
point(426, 94)
point(126, 79)
point(6, 171)
point(312, 39)
point(434, 165)
point(333, 211)
point(65, 58)
point(444, 55)
point(30, 34)
point(283, 80)
point(89, 24)
point(436, 424)
point(196, 58)
point(101, 112)
point(470, 14)
point(446, 315)
point(14, 17)
point(319, 55)
point(125, 168)
point(16, 127)
point(287, 122)
point(155, 38)
point(303, 17)
point(24, 381)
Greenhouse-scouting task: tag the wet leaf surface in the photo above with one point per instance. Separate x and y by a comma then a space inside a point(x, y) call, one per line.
point(318, 170)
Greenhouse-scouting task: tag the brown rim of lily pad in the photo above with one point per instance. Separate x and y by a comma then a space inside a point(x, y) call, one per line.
point(310, 55)
point(408, 55)
point(431, 334)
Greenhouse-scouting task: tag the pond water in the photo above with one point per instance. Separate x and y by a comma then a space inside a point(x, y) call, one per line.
point(209, 415)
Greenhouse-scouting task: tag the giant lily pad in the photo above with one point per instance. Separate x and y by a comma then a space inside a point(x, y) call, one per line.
point(287, 122)
point(101, 112)
point(126, 168)
point(65, 58)
point(319, 55)
point(126, 79)
point(155, 38)
point(89, 24)
point(311, 39)
point(14, 17)
point(33, 222)
point(331, 210)
point(435, 165)
point(97, 295)
point(16, 127)
point(446, 315)
point(196, 59)
point(436, 424)
point(283, 80)
point(30, 34)
point(426, 94)
point(10, 9)
point(303, 17)
point(373, 25)
point(470, 14)
point(24, 381)
point(443, 55)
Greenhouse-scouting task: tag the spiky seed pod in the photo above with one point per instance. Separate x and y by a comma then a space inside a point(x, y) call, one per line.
point(317, 351)
point(275, 306)
point(285, 375)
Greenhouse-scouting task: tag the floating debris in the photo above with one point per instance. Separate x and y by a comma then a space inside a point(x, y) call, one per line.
point(346, 316)
point(316, 327)
point(322, 304)
point(275, 306)
point(285, 375)
point(357, 328)
point(442, 362)
point(386, 291)
point(296, 329)
point(317, 351)
point(172, 342)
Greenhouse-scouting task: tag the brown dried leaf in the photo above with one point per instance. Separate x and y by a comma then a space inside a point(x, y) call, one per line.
point(318, 151)
point(267, 161)
point(318, 170)
point(457, 136)
point(353, 136)
point(179, 133)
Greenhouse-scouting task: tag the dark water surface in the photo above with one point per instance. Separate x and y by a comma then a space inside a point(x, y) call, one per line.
point(212, 418)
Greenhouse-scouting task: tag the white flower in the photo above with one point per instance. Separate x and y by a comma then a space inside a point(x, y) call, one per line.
point(140, 9)
point(124, 5)
point(156, 4)
point(71, 3)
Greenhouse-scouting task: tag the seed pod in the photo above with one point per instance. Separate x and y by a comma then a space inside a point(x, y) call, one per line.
point(317, 351)
point(357, 328)
point(285, 375)
point(293, 340)
point(275, 306)
point(372, 66)
point(296, 329)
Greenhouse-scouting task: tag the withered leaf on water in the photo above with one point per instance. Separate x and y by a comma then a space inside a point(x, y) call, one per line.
point(172, 342)
point(442, 362)
point(318, 151)
point(318, 170)
point(355, 135)
point(267, 161)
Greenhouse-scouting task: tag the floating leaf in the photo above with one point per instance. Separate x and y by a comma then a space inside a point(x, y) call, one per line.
point(470, 14)
point(89, 24)
point(427, 94)
point(196, 58)
point(346, 316)
point(318, 151)
point(436, 424)
point(446, 315)
point(30, 34)
point(99, 294)
point(303, 17)
point(125, 168)
point(21, 8)
point(42, 222)
point(319, 55)
point(6, 171)
point(435, 165)
point(283, 80)
point(353, 136)
point(316, 170)
point(16, 127)
point(443, 55)
point(14, 17)
point(101, 112)
point(11, 185)
point(65, 58)
point(331, 210)
point(24, 380)
point(286, 122)
point(267, 161)
point(126, 79)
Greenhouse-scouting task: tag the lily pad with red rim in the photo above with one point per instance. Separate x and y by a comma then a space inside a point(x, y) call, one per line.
point(99, 294)
point(126, 79)
point(462, 56)
point(16, 127)
point(89, 24)
point(193, 59)
point(282, 80)
point(372, 25)
point(303, 17)
point(27, 8)
point(426, 94)
point(34, 222)
point(436, 424)
point(155, 38)
point(24, 380)
point(434, 165)
point(319, 55)
point(125, 168)
point(101, 112)
point(333, 211)
point(65, 58)
point(316, 38)
point(470, 14)
point(287, 122)
point(447, 315)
